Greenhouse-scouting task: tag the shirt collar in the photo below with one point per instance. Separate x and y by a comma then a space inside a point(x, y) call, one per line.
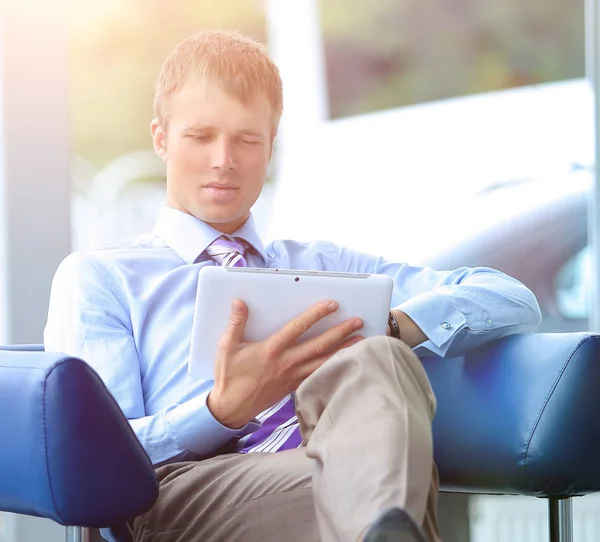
point(189, 237)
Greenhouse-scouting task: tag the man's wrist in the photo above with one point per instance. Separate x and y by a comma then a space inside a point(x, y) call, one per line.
point(410, 333)
point(393, 327)
point(225, 419)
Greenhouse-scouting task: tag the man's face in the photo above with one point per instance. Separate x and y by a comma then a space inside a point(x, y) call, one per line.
point(217, 150)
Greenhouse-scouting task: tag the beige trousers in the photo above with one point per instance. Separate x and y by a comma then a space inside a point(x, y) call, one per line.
point(365, 418)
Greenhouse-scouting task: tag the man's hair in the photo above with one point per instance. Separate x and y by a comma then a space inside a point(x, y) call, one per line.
point(238, 64)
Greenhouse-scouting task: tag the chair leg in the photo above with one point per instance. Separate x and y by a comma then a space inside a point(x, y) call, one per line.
point(561, 519)
point(78, 534)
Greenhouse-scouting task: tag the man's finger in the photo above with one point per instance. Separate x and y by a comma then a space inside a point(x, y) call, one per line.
point(238, 316)
point(291, 331)
point(328, 341)
point(348, 342)
point(307, 368)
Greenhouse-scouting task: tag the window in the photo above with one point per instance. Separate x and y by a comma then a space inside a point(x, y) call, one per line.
point(573, 286)
point(391, 53)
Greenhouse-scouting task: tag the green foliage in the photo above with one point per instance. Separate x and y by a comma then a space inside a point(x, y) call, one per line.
point(388, 53)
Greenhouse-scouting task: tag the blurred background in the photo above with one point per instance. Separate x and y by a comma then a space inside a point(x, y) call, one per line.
point(475, 110)
point(438, 132)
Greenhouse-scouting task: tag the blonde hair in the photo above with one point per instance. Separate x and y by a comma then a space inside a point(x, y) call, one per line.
point(240, 65)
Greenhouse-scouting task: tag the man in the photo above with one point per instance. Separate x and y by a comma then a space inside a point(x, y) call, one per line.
point(354, 457)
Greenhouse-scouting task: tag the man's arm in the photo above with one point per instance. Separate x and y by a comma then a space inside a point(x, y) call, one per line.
point(462, 309)
point(89, 318)
point(446, 312)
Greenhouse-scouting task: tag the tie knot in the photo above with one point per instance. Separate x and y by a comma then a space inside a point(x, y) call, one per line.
point(227, 251)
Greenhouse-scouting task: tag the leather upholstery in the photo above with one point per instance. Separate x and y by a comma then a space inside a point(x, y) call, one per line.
point(66, 451)
point(519, 416)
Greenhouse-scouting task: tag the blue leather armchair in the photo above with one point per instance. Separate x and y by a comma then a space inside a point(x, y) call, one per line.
point(514, 417)
point(518, 416)
point(67, 453)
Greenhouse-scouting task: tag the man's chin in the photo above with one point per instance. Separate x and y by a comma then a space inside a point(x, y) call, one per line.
point(226, 223)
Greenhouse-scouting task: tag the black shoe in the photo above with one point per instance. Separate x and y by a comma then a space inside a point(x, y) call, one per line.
point(395, 525)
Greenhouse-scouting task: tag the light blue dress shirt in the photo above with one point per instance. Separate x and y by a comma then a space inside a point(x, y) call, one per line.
point(126, 308)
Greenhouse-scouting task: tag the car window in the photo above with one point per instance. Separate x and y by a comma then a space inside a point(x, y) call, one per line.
point(573, 285)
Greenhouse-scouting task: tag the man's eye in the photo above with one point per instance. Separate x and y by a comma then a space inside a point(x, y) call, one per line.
point(200, 137)
point(250, 141)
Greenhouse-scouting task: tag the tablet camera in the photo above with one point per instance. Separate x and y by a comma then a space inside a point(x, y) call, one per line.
point(297, 279)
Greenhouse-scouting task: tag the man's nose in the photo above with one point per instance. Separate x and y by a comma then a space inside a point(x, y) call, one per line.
point(222, 157)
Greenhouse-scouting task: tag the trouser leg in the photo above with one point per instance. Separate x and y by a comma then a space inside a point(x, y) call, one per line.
point(366, 418)
point(246, 497)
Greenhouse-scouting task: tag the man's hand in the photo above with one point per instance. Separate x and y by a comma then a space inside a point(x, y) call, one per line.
point(251, 377)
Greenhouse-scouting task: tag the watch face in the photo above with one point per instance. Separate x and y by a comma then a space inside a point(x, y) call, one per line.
point(393, 326)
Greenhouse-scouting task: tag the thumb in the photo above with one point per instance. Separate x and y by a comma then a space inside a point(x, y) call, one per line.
point(234, 333)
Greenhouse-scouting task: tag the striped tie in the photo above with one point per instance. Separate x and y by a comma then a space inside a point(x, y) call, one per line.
point(279, 429)
point(227, 251)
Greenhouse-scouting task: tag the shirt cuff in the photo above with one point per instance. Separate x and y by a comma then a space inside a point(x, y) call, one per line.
point(437, 317)
point(196, 429)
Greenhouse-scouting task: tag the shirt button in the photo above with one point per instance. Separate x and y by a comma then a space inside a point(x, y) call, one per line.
point(446, 325)
point(489, 322)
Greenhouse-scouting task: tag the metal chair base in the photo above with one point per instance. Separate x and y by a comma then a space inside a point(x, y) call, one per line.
point(78, 534)
point(561, 519)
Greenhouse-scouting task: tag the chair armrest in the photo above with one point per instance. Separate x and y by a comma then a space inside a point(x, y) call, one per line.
point(67, 452)
point(519, 416)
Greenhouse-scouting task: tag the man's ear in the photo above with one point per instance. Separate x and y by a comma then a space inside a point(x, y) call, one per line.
point(159, 139)
point(272, 145)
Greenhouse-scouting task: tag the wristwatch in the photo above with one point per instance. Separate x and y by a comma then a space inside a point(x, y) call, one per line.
point(394, 327)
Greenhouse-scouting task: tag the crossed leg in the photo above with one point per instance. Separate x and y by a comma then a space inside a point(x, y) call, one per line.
point(365, 418)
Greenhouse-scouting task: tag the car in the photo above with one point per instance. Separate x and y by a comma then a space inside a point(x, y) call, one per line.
point(534, 229)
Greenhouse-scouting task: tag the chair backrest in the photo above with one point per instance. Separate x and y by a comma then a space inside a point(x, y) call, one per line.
point(67, 452)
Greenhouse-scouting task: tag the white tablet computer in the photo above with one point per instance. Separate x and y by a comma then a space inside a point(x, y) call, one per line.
point(274, 297)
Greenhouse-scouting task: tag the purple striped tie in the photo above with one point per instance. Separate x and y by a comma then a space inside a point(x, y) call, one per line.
point(279, 429)
point(227, 251)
